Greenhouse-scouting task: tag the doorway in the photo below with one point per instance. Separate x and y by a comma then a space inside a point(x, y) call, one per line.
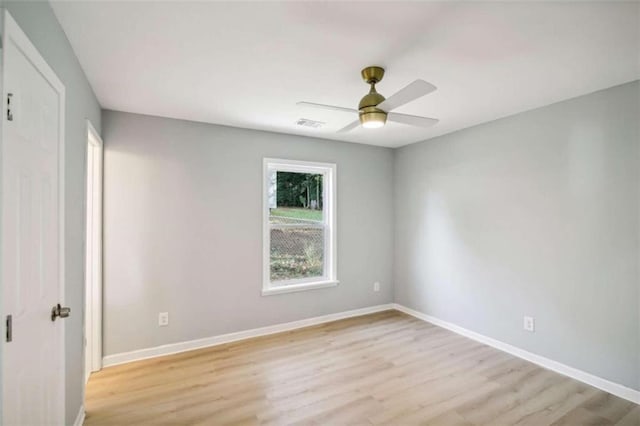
point(93, 266)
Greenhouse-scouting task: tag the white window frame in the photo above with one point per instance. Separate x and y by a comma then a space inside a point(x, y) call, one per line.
point(329, 279)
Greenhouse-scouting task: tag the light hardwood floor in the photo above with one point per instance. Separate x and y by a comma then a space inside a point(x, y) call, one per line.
point(384, 368)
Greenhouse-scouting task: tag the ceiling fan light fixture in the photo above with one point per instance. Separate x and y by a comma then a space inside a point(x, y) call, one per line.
point(373, 119)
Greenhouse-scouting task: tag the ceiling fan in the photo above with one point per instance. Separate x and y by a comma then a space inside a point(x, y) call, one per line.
point(374, 110)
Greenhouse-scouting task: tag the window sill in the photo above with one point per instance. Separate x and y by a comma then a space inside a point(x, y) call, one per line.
point(299, 287)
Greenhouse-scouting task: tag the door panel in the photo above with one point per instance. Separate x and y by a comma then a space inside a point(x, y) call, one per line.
point(31, 226)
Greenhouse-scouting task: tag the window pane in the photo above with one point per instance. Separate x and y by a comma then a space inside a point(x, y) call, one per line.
point(296, 252)
point(297, 229)
point(296, 196)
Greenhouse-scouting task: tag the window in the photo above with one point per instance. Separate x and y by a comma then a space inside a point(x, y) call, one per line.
point(299, 226)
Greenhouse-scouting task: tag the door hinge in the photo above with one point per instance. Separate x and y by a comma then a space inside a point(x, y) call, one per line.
point(9, 328)
point(9, 113)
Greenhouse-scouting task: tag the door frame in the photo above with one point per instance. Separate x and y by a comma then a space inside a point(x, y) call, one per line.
point(12, 33)
point(93, 250)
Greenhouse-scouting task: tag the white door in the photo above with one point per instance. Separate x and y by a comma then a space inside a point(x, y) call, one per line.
point(32, 229)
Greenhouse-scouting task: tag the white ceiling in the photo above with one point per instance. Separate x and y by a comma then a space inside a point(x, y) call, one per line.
point(246, 64)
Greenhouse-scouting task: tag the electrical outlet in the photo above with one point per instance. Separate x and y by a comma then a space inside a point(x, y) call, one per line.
point(163, 319)
point(529, 324)
point(376, 286)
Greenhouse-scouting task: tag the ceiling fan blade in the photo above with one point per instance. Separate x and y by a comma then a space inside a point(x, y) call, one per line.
point(412, 120)
point(411, 92)
point(330, 107)
point(349, 127)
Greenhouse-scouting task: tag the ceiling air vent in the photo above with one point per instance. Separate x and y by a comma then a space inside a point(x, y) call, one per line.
point(305, 122)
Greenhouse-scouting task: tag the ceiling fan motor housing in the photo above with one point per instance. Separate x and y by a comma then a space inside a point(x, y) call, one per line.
point(370, 115)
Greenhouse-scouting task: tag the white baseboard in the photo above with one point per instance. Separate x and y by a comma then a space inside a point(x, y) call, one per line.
point(588, 378)
point(174, 348)
point(80, 417)
point(582, 376)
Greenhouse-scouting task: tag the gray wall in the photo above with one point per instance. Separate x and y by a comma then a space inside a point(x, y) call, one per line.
point(183, 229)
point(41, 26)
point(536, 214)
